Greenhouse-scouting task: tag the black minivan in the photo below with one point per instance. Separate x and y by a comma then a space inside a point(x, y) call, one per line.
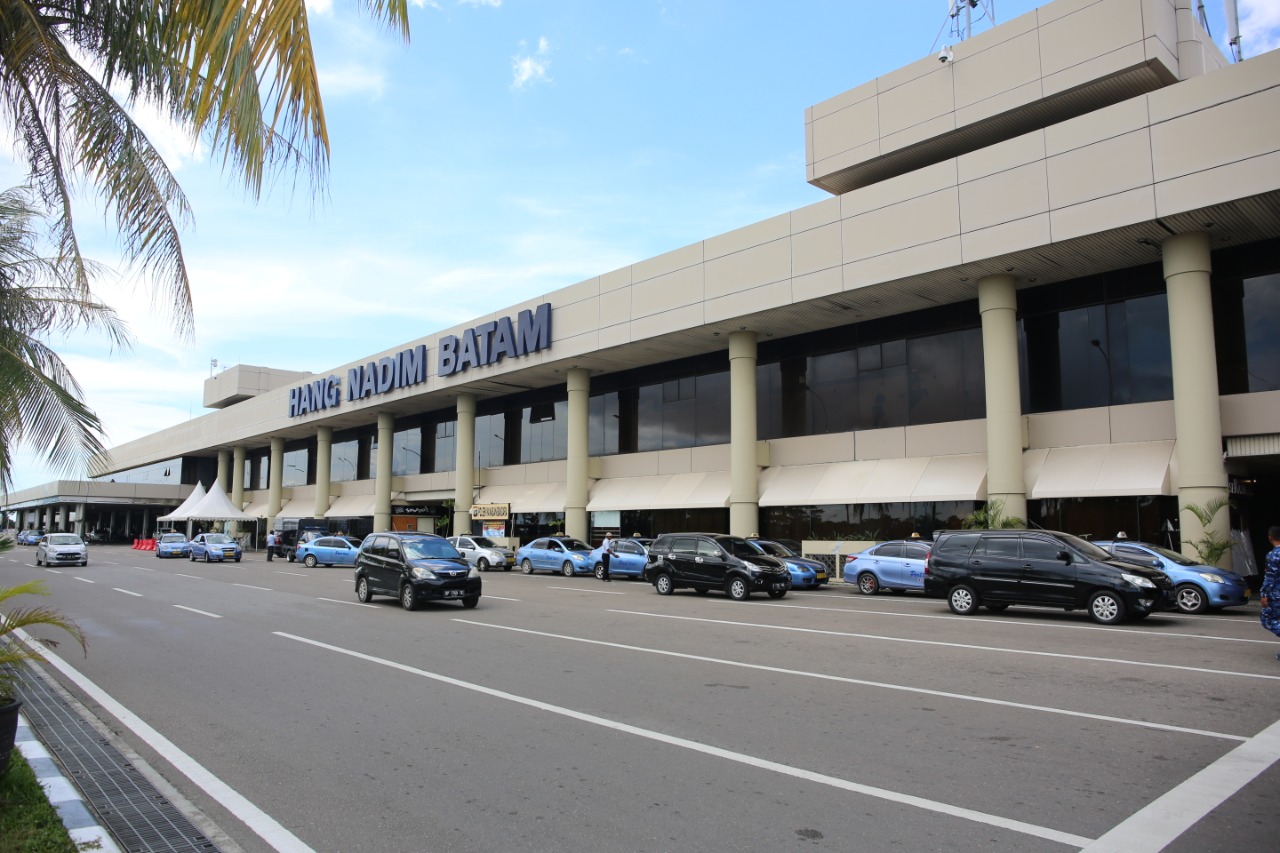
point(707, 561)
point(415, 567)
point(1045, 568)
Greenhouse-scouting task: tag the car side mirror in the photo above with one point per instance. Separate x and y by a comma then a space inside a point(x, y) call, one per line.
point(1064, 556)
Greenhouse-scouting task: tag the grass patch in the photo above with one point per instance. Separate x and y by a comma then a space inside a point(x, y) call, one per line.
point(28, 821)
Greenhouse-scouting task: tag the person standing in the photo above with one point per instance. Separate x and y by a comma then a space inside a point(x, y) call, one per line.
point(271, 544)
point(606, 554)
point(1270, 591)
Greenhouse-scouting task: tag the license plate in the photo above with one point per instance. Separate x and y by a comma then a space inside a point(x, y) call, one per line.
point(511, 561)
point(454, 593)
point(822, 576)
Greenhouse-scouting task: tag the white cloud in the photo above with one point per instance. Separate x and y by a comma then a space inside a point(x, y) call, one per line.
point(349, 79)
point(532, 68)
point(493, 4)
point(1259, 26)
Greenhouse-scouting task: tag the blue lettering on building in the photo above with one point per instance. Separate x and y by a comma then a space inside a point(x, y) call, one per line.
point(315, 396)
point(489, 343)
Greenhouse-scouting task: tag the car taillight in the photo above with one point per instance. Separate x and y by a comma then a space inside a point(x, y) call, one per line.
point(849, 559)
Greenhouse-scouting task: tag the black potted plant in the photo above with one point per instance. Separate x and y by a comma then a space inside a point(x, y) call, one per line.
point(15, 654)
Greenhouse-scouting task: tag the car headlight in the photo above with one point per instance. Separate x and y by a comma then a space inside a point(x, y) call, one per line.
point(1211, 578)
point(578, 558)
point(473, 572)
point(424, 573)
point(1139, 581)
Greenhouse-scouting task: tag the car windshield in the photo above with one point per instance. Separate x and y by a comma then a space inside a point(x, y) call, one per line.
point(428, 549)
point(773, 548)
point(574, 545)
point(1088, 549)
point(737, 547)
point(482, 542)
point(173, 537)
point(217, 539)
point(64, 539)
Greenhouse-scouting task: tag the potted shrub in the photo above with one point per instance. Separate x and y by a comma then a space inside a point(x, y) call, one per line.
point(14, 655)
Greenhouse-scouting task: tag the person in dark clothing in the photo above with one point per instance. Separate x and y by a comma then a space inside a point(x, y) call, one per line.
point(1271, 585)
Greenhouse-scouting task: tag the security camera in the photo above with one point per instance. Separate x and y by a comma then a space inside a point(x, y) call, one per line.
point(945, 55)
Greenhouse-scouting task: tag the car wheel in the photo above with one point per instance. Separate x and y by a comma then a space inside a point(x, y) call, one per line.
point(1191, 599)
point(868, 584)
point(84, 563)
point(362, 591)
point(738, 589)
point(663, 584)
point(206, 556)
point(37, 558)
point(408, 600)
point(470, 601)
point(237, 559)
point(292, 557)
point(482, 564)
point(777, 593)
point(193, 556)
point(526, 566)
point(506, 568)
point(567, 569)
point(600, 571)
point(962, 600)
point(997, 608)
point(1106, 608)
point(310, 561)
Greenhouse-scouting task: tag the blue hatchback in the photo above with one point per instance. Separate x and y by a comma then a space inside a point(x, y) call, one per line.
point(562, 554)
point(1197, 587)
point(327, 551)
point(805, 573)
point(896, 566)
point(172, 545)
point(629, 557)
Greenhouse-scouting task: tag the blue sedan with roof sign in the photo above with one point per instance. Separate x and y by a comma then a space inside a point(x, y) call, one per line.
point(215, 546)
point(629, 557)
point(327, 551)
point(805, 573)
point(1197, 587)
point(562, 554)
point(896, 566)
point(173, 545)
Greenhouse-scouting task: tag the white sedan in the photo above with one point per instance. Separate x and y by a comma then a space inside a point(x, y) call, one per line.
point(61, 549)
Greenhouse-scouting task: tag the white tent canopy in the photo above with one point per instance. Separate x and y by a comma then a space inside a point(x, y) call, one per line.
point(180, 514)
point(216, 506)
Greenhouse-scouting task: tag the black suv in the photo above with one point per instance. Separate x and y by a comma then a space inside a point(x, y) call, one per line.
point(997, 568)
point(415, 567)
point(706, 561)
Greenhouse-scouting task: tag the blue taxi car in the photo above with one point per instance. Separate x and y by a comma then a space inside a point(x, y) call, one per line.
point(215, 547)
point(897, 566)
point(629, 557)
point(172, 545)
point(1197, 587)
point(327, 551)
point(562, 554)
point(805, 573)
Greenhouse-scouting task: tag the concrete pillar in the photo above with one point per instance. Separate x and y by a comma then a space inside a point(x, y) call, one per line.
point(324, 462)
point(236, 482)
point(998, 305)
point(1191, 52)
point(82, 520)
point(382, 474)
point(464, 464)
point(64, 517)
point(224, 470)
point(576, 480)
point(744, 473)
point(275, 476)
point(1197, 418)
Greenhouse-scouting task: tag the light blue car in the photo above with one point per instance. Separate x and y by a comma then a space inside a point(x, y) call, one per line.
point(172, 545)
point(562, 554)
point(327, 551)
point(897, 566)
point(629, 557)
point(805, 573)
point(1197, 587)
point(212, 547)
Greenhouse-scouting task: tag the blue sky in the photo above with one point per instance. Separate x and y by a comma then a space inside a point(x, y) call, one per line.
point(513, 147)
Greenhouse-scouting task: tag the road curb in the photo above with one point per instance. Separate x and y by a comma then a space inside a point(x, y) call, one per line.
point(72, 808)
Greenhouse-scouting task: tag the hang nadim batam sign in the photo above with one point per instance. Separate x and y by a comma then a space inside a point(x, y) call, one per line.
point(482, 345)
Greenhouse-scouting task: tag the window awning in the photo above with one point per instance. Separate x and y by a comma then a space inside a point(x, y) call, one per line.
point(1100, 470)
point(525, 497)
point(920, 478)
point(258, 505)
point(296, 508)
point(661, 491)
point(351, 506)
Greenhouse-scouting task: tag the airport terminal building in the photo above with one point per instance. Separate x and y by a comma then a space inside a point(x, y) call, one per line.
point(1048, 274)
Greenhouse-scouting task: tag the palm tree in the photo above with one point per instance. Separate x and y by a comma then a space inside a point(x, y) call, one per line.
point(42, 405)
point(240, 73)
point(990, 516)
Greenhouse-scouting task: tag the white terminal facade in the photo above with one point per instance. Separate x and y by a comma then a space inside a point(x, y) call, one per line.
point(1048, 274)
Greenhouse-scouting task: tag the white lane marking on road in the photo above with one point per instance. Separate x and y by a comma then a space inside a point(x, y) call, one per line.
point(707, 749)
point(201, 612)
point(295, 574)
point(50, 571)
point(1121, 661)
point(1160, 635)
point(250, 586)
point(580, 589)
point(261, 823)
point(340, 601)
point(1157, 824)
point(144, 568)
point(193, 577)
point(501, 598)
point(84, 580)
point(127, 592)
point(906, 688)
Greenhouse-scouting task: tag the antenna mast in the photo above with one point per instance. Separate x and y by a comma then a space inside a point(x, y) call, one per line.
point(961, 30)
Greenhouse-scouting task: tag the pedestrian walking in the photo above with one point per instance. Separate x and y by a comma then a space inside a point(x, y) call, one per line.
point(1271, 585)
point(606, 554)
point(271, 544)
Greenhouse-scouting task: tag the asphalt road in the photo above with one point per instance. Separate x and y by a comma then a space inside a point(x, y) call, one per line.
point(570, 715)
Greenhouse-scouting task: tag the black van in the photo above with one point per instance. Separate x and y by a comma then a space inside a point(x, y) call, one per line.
point(415, 567)
point(1044, 568)
point(707, 561)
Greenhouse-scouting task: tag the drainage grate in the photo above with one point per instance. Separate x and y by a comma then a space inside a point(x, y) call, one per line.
point(138, 816)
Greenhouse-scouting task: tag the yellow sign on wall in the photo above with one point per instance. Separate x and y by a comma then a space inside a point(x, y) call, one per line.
point(490, 511)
